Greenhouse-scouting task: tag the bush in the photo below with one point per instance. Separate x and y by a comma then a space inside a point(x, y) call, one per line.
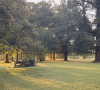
point(28, 62)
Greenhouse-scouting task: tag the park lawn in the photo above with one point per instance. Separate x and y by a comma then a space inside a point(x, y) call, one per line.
point(51, 75)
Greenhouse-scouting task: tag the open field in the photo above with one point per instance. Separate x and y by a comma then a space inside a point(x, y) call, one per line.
point(51, 75)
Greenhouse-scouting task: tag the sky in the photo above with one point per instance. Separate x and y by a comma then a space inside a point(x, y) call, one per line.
point(36, 1)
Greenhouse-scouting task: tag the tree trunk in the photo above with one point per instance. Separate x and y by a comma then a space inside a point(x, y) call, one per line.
point(34, 56)
point(7, 61)
point(97, 53)
point(12, 59)
point(21, 56)
point(17, 57)
point(43, 57)
point(53, 55)
point(65, 56)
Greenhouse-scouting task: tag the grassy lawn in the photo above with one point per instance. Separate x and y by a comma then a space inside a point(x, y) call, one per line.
point(51, 75)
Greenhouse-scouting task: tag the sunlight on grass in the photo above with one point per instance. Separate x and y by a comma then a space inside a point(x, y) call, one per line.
point(42, 65)
point(15, 71)
point(75, 74)
point(11, 87)
point(9, 65)
point(2, 62)
point(50, 82)
point(40, 81)
point(56, 85)
point(52, 75)
point(78, 67)
point(54, 61)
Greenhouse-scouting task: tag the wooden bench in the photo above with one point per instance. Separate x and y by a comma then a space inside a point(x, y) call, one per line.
point(17, 62)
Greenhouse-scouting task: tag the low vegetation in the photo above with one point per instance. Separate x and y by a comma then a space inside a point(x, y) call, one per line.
point(51, 75)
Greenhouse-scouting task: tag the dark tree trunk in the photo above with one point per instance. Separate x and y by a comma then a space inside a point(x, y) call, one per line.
point(40, 60)
point(7, 61)
point(65, 56)
point(53, 55)
point(43, 57)
point(21, 56)
point(34, 56)
point(97, 53)
point(12, 59)
point(17, 57)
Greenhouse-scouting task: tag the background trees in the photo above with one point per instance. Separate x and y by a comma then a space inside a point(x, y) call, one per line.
point(42, 19)
point(85, 6)
point(14, 24)
point(63, 28)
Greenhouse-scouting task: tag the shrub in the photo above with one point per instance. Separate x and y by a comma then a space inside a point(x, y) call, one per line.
point(28, 62)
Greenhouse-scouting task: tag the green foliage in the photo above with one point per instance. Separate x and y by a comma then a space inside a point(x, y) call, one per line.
point(64, 28)
point(11, 22)
point(42, 14)
point(48, 39)
point(28, 62)
point(85, 40)
point(15, 31)
point(41, 28)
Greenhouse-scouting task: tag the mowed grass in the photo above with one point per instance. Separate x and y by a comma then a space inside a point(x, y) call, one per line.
point(51, 75)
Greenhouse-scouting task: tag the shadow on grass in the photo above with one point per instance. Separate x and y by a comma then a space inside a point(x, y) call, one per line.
point(21, 79)
point(80, 61)
point(62, 61)
point(37, 78)
point(10, 82)
point(25, 78)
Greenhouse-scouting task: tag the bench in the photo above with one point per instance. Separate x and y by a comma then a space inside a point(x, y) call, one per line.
point(17, 62)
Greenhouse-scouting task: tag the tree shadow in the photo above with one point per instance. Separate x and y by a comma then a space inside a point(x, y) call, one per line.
point(80, 61)
point(22, 78)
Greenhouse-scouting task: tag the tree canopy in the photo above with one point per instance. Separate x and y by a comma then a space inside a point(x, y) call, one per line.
point(45, 27)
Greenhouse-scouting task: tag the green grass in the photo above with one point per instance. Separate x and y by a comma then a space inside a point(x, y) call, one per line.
point(51, 75)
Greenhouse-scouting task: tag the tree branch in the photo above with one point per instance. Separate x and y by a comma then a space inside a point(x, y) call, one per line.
point(90, 2)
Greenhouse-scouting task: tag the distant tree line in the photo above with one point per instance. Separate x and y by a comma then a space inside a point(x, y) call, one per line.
point(45, 27)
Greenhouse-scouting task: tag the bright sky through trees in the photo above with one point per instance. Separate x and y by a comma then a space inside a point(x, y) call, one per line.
point(36, 1)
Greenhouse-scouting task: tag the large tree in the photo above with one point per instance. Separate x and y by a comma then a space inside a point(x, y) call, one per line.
point(97, 31)
point(14, 24)
point(43, 20)
point(85, 7)
point(64, 28)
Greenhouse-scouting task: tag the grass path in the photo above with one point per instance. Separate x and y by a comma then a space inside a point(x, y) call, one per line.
point(51, 75)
